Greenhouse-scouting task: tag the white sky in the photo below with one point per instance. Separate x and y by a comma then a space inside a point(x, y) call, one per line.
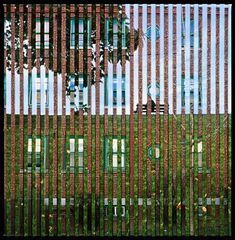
point(214, 55)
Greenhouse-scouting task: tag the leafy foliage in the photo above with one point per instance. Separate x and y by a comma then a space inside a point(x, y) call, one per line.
point(93, 40)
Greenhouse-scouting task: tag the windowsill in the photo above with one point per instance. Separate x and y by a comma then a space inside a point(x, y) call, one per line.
point(191, 48)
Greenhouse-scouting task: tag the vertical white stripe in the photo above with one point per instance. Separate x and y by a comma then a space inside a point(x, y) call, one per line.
point(153, 52)
point(144, 54)
point(187, 48)
point(221, 57)
point(127, 97)
point(178, 58)
point(136, 58)
point(119, 90)
point(170, 65)
point(51, 92)
point(213, 57)
point(204, 58)
point(195, 74)
point(17, 93)
point(162, 32)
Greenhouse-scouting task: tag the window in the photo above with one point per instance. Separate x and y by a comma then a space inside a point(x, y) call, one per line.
point(38, 89)
point(80, 154)
point(114, 89)
point(38, 150)
point(191, 34)
point(46, 90)
point(80, 90)
point(157, 32)
point(191, 91)
point(72, 141)
point(72, 89)
point(45, 151)
point(115, 33)
point(80, 40)
point(123, 90)
point(38, 33)
point(46, 33)
point(29, 154)
point(72, 33)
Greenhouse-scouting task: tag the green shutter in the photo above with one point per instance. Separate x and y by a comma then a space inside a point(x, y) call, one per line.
point(30, 90)
point(115, 33)
point(88, 31)
point(123, 34)
point(106, 91)
point(107, 32)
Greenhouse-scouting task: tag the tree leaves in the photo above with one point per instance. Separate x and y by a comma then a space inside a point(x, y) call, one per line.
point(93, 40)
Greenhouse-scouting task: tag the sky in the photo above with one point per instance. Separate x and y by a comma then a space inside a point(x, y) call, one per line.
point(214, 55)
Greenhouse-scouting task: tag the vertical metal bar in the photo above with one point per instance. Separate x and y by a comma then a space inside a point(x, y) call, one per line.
point(183, 125)
point(97, 132)
point(21, 123)
point(174, 133)
point(149, 125)
point(55, 124)
point(46, 123)
point(217, 126)
point(63, 148)
point(123, 139)
point(140, 124)
point(89, 139)
point(80, 130)
point(165, 174)
point(38, 122)
point(115, 51)
point(13, 193)
point(226, 217)
point(29, 61)
point(106, 158)
point(132, 170)
point(5, 127)
point(199, 142)
point(158, 122)
point(72, 132)
point(208, 124)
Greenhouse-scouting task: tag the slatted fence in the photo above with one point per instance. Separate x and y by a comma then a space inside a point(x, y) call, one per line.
point(117, 119)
